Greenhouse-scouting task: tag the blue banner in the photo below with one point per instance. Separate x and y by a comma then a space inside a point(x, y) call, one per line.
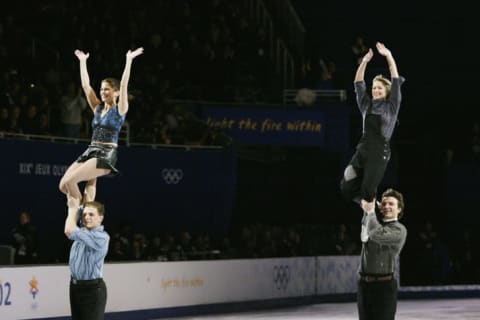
point(158, 190)
point(268, 126)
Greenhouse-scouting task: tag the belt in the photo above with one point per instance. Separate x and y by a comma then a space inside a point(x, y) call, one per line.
point(86, 282)
point(106, 145)
point(372, 278)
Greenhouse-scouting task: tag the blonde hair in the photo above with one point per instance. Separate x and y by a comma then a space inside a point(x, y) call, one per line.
point(387, 83)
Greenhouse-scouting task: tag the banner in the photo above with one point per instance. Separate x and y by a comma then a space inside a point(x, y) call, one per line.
point(268, 126)
point(157, 190)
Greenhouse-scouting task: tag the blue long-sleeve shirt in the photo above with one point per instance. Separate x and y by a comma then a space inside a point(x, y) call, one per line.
point(88, 253)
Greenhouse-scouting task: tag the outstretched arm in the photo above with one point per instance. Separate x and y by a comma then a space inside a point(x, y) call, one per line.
point(388, 55)
point(123, 98)
point(360, 75)
point(89, 92)
point(72, 217)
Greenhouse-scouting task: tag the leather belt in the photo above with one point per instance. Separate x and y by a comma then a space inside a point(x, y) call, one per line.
point(86, 282)
point(372, 278)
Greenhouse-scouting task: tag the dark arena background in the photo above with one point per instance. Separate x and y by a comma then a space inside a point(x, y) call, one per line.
point(242, 118)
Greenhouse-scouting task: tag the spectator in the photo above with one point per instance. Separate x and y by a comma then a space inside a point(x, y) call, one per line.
point(30, 122)
point(25, 240)
point(4, 123)
point(72, 106)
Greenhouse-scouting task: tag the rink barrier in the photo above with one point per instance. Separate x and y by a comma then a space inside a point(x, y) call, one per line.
point(147, 290)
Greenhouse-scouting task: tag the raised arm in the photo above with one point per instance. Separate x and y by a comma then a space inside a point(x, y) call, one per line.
point(92, 99)
point(368, 211)
point(72, 217)
point(360, 75)
point(392, 66)
point(123, 98)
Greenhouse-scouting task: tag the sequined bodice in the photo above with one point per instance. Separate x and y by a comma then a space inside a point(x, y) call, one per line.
point(106, 128)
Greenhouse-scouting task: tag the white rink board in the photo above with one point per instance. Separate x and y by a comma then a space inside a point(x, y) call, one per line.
point(37, 292)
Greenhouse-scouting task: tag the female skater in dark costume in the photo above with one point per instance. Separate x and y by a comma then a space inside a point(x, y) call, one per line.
point(367, 167)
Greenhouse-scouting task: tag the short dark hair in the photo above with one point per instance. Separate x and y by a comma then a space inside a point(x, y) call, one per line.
point(397, 195)
point(97, 205)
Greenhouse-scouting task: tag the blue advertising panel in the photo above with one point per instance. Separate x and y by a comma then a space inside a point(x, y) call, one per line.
point(157, 190)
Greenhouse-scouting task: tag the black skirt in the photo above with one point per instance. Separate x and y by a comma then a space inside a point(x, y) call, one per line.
point(106, 156)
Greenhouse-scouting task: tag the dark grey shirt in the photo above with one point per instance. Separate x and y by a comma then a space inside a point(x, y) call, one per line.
point(382, 244)
point(387, 109)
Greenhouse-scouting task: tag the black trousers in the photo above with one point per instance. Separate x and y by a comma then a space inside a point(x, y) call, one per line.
point(88, 299)
point(369, 164)
point(377, 300)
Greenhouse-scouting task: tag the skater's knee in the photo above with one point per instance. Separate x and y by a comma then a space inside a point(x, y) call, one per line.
point(62, 186)
point(349, 173)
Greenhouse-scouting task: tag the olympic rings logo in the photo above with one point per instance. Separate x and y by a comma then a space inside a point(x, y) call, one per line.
point(281, 276)
point(172, 176)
